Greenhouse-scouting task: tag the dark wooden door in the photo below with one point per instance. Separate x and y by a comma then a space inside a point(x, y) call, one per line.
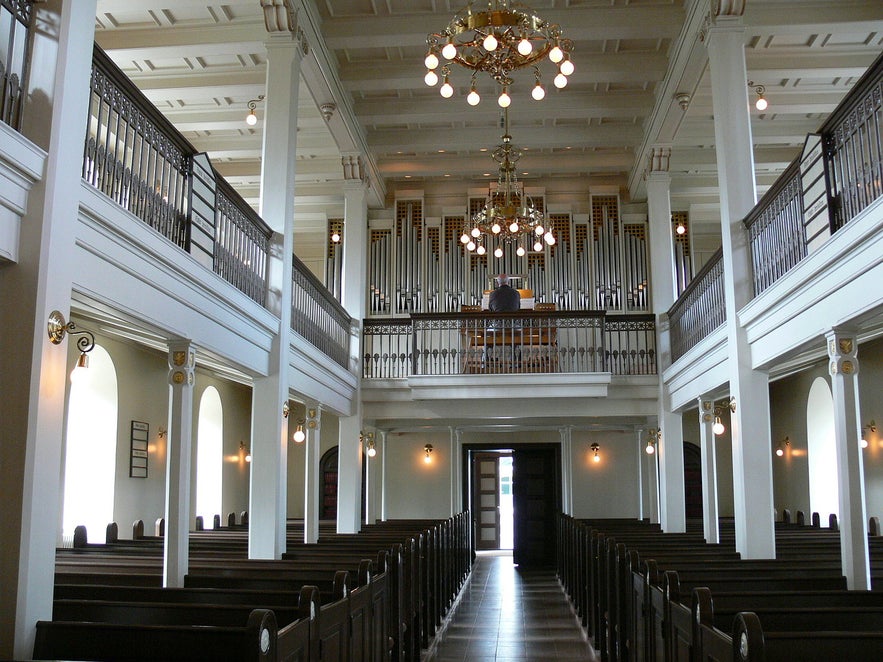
point(486, 499)
point(328, 486)
point(536, 487)
point(692, 480)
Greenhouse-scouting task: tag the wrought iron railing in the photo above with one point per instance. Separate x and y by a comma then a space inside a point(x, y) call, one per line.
point(525, 342)
point(700, 309)
point(135, 156)
point(318, 317)
point(16, 28)
point(853, 139)
point(775, 229)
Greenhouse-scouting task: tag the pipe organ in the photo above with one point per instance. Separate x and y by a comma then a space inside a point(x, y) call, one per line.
point(419, 265)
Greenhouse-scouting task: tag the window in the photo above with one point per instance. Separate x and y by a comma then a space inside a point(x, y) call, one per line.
point(209, 455)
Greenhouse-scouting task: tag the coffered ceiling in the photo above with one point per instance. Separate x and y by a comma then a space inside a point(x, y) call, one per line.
point(201, 61)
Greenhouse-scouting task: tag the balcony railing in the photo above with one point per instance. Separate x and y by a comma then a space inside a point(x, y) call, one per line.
point(526, 342)
point(16, 27)
point(136, 157)
point(839, 175)
point(700, 309)
point(318, 317)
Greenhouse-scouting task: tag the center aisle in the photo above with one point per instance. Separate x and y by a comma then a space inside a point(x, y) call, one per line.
point(506, 614)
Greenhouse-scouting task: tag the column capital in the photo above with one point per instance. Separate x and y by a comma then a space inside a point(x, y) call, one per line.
point(724, 8)
point(313, 416)
point(182, 362)
point(659, 160)
point(280, 20)
point(843, 352)
point(354, 170)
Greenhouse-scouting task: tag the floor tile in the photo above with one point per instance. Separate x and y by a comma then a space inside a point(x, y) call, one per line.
point(508, 615)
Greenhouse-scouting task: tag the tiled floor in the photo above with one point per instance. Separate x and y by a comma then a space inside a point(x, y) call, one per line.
point(505, 614)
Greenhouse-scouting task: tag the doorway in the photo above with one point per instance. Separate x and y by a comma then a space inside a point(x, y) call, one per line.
point(529, 478)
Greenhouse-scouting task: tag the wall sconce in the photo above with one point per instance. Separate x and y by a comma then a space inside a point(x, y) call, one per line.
point(251, 119)
point(759, 90)
point(428, 450)
point(57, 328)
point(370, 449)
point(161, 432)
point(299, 435)
point(243, 451)
point(595, 448)
point(870, 427)
point(780, 449)
point(718, 427)
point(653, 436)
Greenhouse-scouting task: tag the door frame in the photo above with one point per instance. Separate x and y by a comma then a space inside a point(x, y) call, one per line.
point(466, 473)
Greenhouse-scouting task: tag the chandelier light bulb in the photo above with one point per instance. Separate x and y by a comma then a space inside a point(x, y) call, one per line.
point(431, 78)
point(525, 47)
point(649, 449)
point(556, 54)
point(538, 93)
point(335, 237)
point(550, 239)
point(472, 98)
point(449, 52)
point(496, 229)
point(470, 246)
point(251, 119)
point(481, 250)
point(464, 239)
point(681, 229)
point(498, 252)
point(475, 233)
point(504, 99)
point(560, 81)
point(538, 246)
point(538, 230)
point(372, 451)
point(520, 251)
point(490, 43)
point(431, 61)
point(567, 67)
point(513, 227)
point(446, 90)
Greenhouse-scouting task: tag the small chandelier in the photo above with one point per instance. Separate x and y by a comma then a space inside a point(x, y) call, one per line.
point(504, 37)
point(508, 215)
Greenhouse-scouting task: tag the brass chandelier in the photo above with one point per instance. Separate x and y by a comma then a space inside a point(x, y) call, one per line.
point(509, 216)
point(498, 40)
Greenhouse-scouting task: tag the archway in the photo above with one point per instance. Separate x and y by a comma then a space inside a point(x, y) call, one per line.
point(90, 452)
point(328, 485)
point(821, 449)
point(209, 455)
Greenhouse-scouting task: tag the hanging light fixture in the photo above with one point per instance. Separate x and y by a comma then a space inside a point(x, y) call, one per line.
point(508, 216)
point(370, 449)
point(760, 103)
point(299, 435)
point(57, 328)
point(427, 449)
point(251, 119)
point(653, 436)
point(596, 448)
point(718, 428)
point(498, 40)
point(870, 427)
point(780, 448)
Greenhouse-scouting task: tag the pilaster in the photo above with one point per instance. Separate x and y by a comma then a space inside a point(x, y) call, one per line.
point(710, 525)
point(311, 471)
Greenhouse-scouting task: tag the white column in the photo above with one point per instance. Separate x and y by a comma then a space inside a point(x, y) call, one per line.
point(382, 451)
point(349, 476)
point(750, 426)
point(34, 370)
point(653, 486)
point(312, 474)
point(711, 527)
point(176, 544)
point(842, 351)
point(269, 441)
point(355, 242)
point(371, 508)
point(670, 448)
point(566, 470)
point(639, 433)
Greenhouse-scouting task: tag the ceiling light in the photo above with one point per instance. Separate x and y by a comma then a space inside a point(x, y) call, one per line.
point(508, 215)
point(499, 40)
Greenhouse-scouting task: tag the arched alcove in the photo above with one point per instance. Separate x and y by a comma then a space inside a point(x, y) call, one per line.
point(90, 448)
point(209, 455)
point(821, 450)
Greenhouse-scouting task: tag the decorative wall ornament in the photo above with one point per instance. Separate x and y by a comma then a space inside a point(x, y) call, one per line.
point(279, 16)
point(181, 366)
point(660, 159)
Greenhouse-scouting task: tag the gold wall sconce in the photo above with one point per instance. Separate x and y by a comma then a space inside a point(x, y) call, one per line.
point(370, 448)
point(244, 452)
point(57, 328)
point(161, 432)
point(781, 446)
point(760, 103)
point(299, 435)
point(653, 437)
point(596, 448)
point(428, 450)
point(251, 119)
point(718, 427)
point(870, 427)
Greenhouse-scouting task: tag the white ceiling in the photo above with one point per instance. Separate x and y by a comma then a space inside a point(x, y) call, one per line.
point(201, 61)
